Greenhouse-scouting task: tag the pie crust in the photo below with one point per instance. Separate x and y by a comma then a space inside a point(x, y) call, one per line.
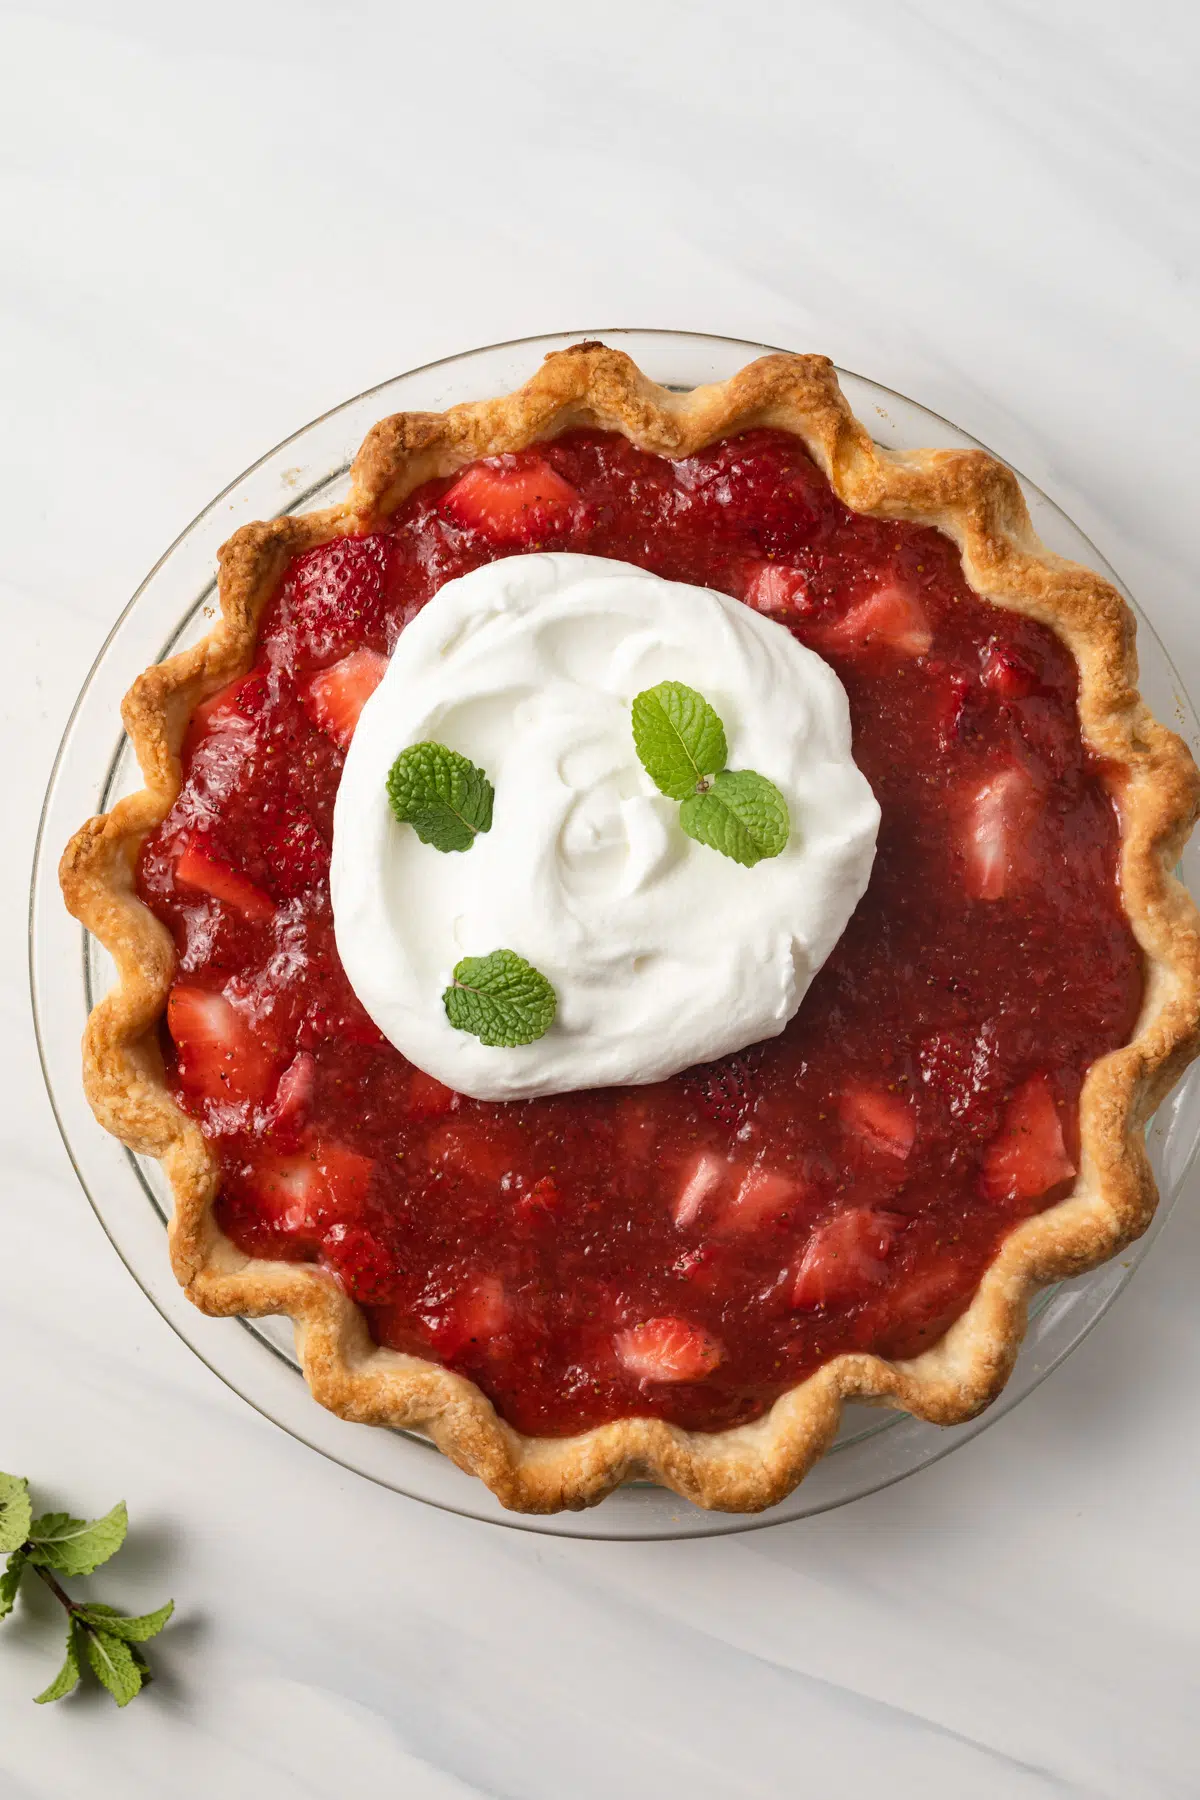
point(1155, 787)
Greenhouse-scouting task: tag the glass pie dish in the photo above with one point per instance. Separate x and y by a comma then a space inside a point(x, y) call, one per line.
point(170, 612)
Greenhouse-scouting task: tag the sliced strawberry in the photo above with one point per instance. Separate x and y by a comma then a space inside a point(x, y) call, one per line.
point(222, 1054)
point(290, 1194)
point(473, 1147)
point(667, 1349)
point(348, 1021)
point(234, 709)
point(346, 1174)
point(922, 1304)
point(846, 1257)
point(774, 589)
point(762, 1194)
point(512, 500)
point(952, 693)
point(697, 1265)
point(960, 1068)
point(305, 1194)
point(361, 1262)
point(477, 1312)
point(882, 1121)
point(890, 620)
point(724, 1091)
point(199, 868)
point(293, 1096)
point(997, 818)
point(334, 593)
point(429, 1098)
point(1006, 672)
point(1029, 1155)
point(296, 854)
point(703, 1177)
point(334, 699)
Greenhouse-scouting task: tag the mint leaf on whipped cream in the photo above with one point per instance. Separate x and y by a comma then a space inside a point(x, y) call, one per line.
point(678, 737)
point(445, 798)
point(741, 814)
point(501, 999)
point(681, 743)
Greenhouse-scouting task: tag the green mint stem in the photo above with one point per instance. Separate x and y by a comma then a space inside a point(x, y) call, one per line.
point(56, 1588)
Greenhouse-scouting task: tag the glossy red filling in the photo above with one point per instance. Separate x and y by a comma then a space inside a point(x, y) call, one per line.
point(692, 1249)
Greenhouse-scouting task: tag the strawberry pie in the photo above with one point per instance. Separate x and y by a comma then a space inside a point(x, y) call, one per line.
point(586, 1200)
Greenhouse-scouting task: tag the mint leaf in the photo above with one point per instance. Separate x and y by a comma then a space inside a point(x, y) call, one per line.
point(132, 1631)
point(10, 1581)
point(67, 1679)
point(743, 815)
point(445, 798)
point(15, 1512)
point(76, 1546)
point(678, 737)
point(501, 999)
point(114, 1665)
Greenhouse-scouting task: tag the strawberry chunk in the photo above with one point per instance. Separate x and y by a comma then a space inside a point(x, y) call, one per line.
point(305, 1194)
point(293, 1096)
point(667, 1349)
point(222, 1054)
point(361, 1261)
point(994, 831)
point(952, 694)
point(540, 1203)
point(429, 1098)
point(923, 1303)
point(296, 854)
point(331, 593)
point(1028, 1156)
point(199, 868)
point(846, 1257)
point(724, 1090)
point(704, 1176)
point(774, 589)
point(512, 500)
point(1006, 672)
point(881, 1121)
point(334, 699)
point(762, 1194)
point(475, 1148)
point(478, 1312)
point(890, 620)
point(234, 709)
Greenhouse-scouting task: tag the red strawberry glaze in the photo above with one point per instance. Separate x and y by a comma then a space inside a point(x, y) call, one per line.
point(864, 1167)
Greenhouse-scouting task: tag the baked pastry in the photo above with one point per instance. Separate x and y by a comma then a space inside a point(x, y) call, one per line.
point(679, 1281)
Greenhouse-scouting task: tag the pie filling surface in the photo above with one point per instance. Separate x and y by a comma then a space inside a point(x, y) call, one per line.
point(691, 1249)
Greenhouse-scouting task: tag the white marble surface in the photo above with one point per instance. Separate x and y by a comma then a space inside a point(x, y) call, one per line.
point(219, 223)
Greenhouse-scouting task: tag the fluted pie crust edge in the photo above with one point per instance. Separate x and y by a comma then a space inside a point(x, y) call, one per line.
point(972, 499)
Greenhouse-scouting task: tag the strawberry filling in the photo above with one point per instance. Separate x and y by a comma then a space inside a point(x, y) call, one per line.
point(691, 1249)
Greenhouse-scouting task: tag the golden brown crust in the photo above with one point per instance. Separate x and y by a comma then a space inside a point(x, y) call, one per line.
point(1154, 782)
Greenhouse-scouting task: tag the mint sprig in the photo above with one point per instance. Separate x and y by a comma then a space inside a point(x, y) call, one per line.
point(681, 743)
point(445, 798)
point(743, 815)
point(97, 1635)
point(500, 999)
point(678, 737)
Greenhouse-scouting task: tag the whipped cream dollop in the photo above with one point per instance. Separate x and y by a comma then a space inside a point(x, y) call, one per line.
point(662, 952)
